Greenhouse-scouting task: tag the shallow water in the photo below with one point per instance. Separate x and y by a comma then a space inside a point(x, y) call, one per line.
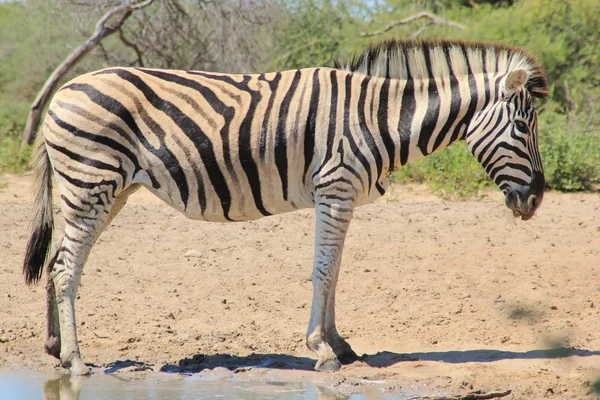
point(25, 385)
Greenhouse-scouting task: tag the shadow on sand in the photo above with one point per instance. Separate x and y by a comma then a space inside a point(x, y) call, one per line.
point(200, 362)
point(68, 387)
point(387, 358)
point(383, 359)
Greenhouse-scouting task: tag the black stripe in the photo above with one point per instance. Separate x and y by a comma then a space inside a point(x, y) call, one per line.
point(407, 113)
point(343, 165)
point(215, 103)
point(382, 122)
point(309, 132)
point(513, 149)
point(332, 122)
point(336, 197)
point(518, 167)
point(515, 136)
point(245, 152)
point(71, 204)
point(491, 165)
point(486, 84)
point(273, 84)
point(493, 116)
point(73, 225)
point(455, 102)
point(367, 135)
point(498, 180)
point(332, 182)
point(472, 103)
point(202, 143)
point(87, 185)
point(88, 161)
point(496, 118)
point(85, 114)
point(433, 108)
point(243, 85)
point(281, 134)
point(103, 140)
point(163, 153)
point(356, 151)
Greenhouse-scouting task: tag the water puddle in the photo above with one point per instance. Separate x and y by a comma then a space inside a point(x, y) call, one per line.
point(26, 385)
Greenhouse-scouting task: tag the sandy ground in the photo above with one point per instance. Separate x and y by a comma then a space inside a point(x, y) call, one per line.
point(441, 297)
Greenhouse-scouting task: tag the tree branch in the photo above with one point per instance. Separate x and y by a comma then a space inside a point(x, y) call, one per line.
point(133, 46)
point(102, 31)
point(434, 19)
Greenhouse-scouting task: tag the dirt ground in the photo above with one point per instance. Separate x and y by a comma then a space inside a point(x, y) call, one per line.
point(441, 297)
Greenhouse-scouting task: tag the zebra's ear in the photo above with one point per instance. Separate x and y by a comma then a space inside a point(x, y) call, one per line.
point(514, 81)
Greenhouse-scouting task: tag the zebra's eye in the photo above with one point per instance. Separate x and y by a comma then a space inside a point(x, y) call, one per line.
point(522, 126)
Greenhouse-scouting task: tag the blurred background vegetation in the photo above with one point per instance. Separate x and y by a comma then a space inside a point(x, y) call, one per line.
point(265, 35)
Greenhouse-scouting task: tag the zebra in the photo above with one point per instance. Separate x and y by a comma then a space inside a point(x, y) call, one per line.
point(236, 147)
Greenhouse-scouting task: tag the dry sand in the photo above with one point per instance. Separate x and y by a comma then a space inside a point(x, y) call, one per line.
point(442, 297)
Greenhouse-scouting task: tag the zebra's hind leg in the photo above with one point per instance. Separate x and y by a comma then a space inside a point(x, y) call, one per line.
point(332, 222)
point(52, 344)
point(82, 227)
point(53, 339)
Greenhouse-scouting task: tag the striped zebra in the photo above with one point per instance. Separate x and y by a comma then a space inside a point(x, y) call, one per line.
point(221, 147)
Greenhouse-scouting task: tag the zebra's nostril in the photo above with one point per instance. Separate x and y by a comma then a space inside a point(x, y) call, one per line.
point(533, 201)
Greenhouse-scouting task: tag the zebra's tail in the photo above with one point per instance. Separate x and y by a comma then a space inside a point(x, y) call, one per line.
point(43, 220)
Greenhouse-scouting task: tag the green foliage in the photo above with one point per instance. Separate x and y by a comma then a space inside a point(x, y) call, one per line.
point(312, 34)
point(11, 160)
point(452, 173)
point(570, 150)
point(34, 38)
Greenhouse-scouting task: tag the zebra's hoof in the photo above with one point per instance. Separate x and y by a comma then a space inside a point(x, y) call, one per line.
point(348, 356)
point(78, 368)
point(328, 365)
point(52, 346)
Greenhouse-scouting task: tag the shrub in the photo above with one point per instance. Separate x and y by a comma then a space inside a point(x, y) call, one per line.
point(451, 173)
point(11, 159)
point(570, 151)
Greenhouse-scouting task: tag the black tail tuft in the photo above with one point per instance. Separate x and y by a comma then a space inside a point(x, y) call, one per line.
point(43, 222)
point(36, 253)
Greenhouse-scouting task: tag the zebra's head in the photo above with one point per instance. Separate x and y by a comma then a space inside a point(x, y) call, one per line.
point(503, 138)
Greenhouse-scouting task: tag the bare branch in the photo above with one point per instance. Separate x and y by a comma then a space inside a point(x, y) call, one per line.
point(133, 46)
point(102, 31)
point(418, 32)
point(434, 19)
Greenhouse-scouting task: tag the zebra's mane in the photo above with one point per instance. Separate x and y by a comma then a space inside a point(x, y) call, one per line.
point(424, 59)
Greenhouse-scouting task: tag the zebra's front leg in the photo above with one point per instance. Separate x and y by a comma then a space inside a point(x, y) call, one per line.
point(341, 348)
point(332, 221)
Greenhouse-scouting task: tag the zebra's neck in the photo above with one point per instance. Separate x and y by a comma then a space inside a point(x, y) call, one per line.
point(422, 116)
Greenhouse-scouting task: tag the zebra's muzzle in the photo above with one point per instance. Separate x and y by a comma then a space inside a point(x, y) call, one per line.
point(524, 201)
point(522, 209)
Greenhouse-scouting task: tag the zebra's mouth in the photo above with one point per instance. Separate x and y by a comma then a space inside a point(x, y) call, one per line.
point(520, 208)
point(524, 214)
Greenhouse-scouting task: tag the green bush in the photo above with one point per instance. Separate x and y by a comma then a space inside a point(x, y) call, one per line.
point(11, 159)
point(570, 151)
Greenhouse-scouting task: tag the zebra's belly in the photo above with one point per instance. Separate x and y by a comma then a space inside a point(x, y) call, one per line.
point(216, 214)
point(210, 205)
